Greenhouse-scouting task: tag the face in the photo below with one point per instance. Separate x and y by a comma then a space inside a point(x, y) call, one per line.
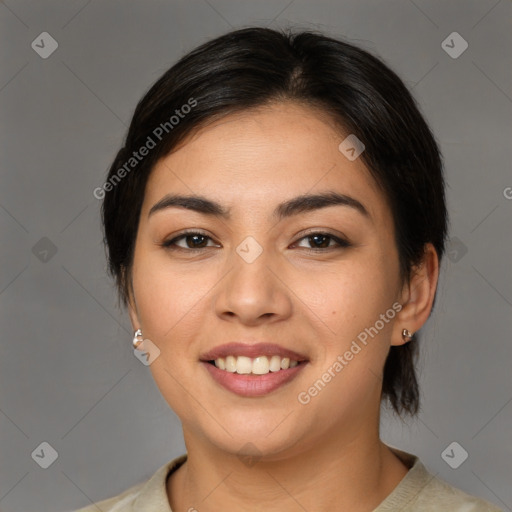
point(270, 279)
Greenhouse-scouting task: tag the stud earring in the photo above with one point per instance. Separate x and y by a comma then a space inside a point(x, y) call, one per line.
point(406, 335)
point(137, 338)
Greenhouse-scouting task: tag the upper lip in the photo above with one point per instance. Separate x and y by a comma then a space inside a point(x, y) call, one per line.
point(250, 350)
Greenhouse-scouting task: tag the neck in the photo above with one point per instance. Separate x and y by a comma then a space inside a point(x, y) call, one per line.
point(353, 474)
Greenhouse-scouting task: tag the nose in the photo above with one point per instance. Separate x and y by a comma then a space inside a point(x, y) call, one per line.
point(254, 292)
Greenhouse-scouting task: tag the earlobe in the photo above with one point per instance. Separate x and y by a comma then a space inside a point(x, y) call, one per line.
point(418, 296)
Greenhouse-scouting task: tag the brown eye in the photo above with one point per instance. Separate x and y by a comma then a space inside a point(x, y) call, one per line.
point(319, 241)
point(192, 240)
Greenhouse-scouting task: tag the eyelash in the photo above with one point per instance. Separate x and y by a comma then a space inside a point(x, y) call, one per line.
point(169, 244)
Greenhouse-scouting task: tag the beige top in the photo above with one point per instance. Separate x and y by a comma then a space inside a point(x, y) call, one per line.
point(418, 491)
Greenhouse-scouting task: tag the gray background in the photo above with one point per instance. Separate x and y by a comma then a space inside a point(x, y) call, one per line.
point(68, 374)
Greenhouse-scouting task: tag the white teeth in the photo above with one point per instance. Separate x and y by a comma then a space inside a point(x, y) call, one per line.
point(275, 364)
point(243, 365)
point(258, 366)
point(230, 364)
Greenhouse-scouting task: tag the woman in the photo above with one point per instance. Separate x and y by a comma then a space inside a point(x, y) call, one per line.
point(275, 224)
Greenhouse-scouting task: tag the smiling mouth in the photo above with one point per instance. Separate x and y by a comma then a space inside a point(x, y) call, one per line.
point(260, 365)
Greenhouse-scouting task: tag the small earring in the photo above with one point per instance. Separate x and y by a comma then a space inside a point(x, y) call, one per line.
point(406, 335)
point(137, 338)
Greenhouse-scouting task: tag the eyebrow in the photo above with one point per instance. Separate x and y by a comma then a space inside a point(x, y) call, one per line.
point(294, 206)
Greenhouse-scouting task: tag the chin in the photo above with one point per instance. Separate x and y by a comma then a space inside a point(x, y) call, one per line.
point(246, 434)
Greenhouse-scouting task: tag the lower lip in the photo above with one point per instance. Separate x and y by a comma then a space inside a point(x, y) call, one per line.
point(253, 385)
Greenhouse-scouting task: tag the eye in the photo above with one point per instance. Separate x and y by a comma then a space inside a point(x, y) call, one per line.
point(193, 240)
point(321, 241)
point(196, 241)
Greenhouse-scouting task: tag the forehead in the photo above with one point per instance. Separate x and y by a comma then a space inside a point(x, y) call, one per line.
point(258, 158)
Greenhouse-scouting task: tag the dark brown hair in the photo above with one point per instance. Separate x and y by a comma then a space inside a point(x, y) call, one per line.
point(255, 66)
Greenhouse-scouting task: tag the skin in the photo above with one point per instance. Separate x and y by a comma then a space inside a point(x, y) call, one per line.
point(326, 455)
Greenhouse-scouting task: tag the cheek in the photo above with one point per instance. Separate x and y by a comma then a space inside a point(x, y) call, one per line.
point(168, 300)
point(352, 338)
point(169, 308)
point(347, 300)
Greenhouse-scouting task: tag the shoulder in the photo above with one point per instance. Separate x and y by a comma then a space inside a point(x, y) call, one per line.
point(440, 496)
point(120, 503)
point(148, 496)
point(421, 491)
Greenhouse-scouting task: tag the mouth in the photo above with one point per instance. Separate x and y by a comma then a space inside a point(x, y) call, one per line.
point(261, 365)
point(252, 370)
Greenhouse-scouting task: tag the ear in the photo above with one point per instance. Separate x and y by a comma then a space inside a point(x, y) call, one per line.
point(417, 296)
point(134, 317)
point(132, 305)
